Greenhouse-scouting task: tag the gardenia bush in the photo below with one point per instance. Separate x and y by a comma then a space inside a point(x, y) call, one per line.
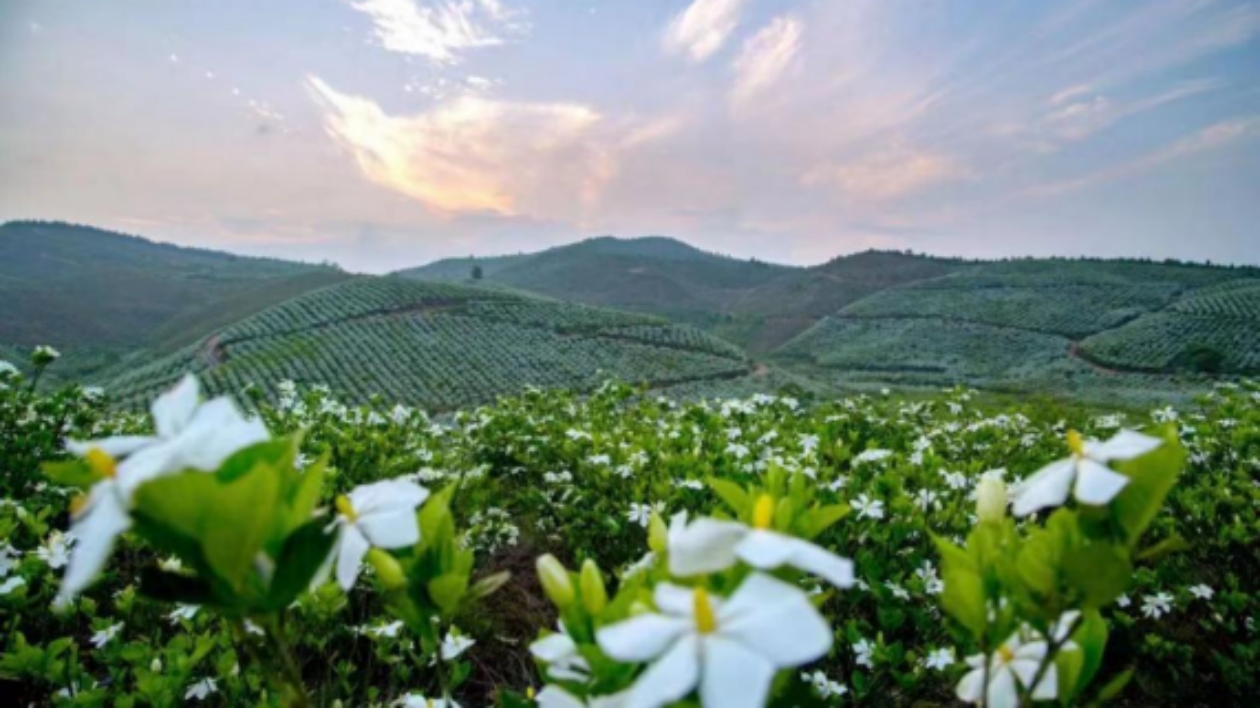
point(619, 550)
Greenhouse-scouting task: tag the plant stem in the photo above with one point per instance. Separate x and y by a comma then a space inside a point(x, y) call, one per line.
point(1052, 650)
point(290, 674)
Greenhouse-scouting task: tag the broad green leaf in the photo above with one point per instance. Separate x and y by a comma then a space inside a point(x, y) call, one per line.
point(963, 598)
point(1151, 476)
point(815, 521)
point(1100, 572)
point(1115, 686)
point(1069, 663)
point(242, 514)
point(304, 551)
point(447, 590)
point(71, 473)
point(1092, 639)
point(732, 494)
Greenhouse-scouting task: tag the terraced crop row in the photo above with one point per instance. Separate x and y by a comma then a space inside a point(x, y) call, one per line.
point(437, 346)
point(1237, 299)
point(1166, 341)
point(1069, 310)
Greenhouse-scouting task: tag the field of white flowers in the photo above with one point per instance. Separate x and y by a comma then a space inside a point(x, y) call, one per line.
point(623, 550)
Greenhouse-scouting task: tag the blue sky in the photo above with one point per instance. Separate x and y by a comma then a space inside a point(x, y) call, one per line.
point(387, 133)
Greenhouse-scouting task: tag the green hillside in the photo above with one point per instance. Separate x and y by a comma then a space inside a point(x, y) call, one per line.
point(438, 345)
point(1094, 329)
point(756, 305)
point(98, 295)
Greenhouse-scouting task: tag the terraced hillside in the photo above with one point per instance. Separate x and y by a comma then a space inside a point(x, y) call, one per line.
point(99, 296)
point(439, 346)
point(753, 304)
point(1086, 328)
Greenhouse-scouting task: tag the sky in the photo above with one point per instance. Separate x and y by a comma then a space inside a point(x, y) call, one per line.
point(383, 134)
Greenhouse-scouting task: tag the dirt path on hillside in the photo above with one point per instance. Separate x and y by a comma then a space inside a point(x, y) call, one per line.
point(1074, 351)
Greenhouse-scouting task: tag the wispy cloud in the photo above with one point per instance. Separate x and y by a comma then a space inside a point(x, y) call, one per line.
point(700, 30)
point(472, 154)
point(765, 56)
point(1213, 137)
point(440, 29)
point(895, 172)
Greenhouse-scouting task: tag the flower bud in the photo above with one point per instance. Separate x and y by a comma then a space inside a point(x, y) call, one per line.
point(388, 571)
point(594, 595)
point(555, 581)
point(156, 666)
point(658, 534)
point(991, 499)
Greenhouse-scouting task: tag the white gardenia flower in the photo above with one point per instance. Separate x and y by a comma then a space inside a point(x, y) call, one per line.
point(103, 637)
point(730, 648)
point(182, 612)
point(560, 653)
point(1014, 664)
point(641, 514)
point(868, 508)
point(418, 700)
point(824, 686)
point(11, 584)
point(1201, 591)
point(1095, 483)
point(864, 653)
point(201, 690)
point(453, 645)
point(711, 545)
point(380, 515)
point(940, 659)
point(55, 550)
point(190, 435)
point(1157, 605)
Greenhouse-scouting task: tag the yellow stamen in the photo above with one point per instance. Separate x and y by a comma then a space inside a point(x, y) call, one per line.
point(77, 504)
point(1076, 443)
point(706, 622)
point(1007, 655)
point(763, 512)
point(101, 463)
point(345, 508)
point(529, 693)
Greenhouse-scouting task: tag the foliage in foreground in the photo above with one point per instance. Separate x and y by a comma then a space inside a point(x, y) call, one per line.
point(864, 521)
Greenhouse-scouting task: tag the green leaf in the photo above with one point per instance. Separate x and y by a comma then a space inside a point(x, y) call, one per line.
point(963, 598)
point(447, 590)
point(1115, 686)
point(1100, 572)
point(305, 550)
point(240, 515)
point(1151, 476)
point(815, 521)
point(1173, 544)
point(1069, 663)
point(732, 494)
point(71, 473)
point(278, 453)
point(1036, 563)
point(1092, 639)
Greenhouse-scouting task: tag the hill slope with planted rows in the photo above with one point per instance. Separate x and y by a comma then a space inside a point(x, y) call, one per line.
point(1094, 328)
point(439, 346)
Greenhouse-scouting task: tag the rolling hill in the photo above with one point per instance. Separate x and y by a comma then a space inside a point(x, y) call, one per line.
point(753, 304)
point(1086, 329)
point(98, 295)
point(440, 346)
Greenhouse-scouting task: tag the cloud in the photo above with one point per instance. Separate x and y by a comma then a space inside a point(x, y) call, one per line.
point(1210, 138)
point(1076, 114)
point(440, 30)
point(889, 174)
point(470, 153)
point(765, 56)
point(702, 29)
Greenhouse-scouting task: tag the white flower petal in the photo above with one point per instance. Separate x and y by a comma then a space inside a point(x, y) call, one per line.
point(96, 528)
point(704, 546)
point(117, 446)
point(556, 697)
point(387, 495)
point(1002, 691)
point(678, 601)
point(174, 409)
point(734, 676)
point(146, 464)
point(553, 647)
point(640, 638)
point(776, 620)
point(351, 548)
point(669, 678)
point(1048, 688)
point(390, 529)
point(1125, 445)
point(768, 550)
point(1097, 484)
point(971, 688)
point(1049, 486)
point(217, 431)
